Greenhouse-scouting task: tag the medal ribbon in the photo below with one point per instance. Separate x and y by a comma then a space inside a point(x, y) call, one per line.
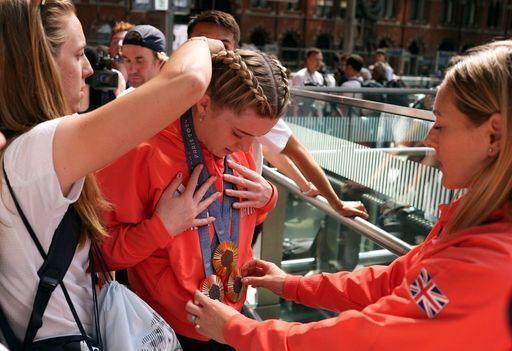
point(222, 213)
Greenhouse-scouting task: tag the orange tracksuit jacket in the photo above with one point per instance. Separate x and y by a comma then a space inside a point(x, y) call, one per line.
point(163, 270)
point(449, 294)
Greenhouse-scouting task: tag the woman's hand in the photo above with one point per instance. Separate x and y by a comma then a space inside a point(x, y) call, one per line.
point(215, 46)
point(209, 316)
point(351, 209)
point(255, 190)
point(263, 274)
point(179, 213)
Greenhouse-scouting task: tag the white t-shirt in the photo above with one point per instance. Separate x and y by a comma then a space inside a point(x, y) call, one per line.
point(304, 78)
point(355, 82)
point(275, 141)
point(29, 166)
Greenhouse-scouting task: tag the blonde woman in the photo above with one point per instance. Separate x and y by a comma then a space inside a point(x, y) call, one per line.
point(49, 158)
point(450, 292)
point(168, 261)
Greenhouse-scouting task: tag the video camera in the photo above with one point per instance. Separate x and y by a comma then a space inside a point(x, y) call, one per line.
point(104, 78)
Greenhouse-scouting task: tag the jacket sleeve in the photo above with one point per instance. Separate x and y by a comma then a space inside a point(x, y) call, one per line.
point(263, 212)
point(447, 312)
point(135, 230)
point(353, 290)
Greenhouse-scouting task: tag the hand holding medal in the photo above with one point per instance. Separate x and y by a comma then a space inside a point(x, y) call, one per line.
point(209, 316)
point(263, 274)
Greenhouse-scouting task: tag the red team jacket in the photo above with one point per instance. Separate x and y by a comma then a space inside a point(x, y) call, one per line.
point(163, 270)
point(450, 294)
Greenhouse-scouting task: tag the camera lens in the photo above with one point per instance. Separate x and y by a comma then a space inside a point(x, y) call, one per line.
point(105, 78)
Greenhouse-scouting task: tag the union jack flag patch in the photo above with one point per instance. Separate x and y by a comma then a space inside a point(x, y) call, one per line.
point(427, 295)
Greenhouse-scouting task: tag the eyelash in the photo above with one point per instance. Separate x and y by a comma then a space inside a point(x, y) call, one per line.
point(237, 136)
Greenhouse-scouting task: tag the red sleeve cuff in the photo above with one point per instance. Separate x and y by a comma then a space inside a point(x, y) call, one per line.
point(271, 203)
point(291, 287)
point(236, 327)
point(160, 235)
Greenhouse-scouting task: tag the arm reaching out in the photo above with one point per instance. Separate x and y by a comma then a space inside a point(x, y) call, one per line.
point(86, 143)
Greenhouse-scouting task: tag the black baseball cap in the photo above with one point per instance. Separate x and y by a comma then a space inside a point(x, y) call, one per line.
point(146, 36)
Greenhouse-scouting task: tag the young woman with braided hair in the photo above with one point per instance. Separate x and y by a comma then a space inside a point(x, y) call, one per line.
point(211, 143)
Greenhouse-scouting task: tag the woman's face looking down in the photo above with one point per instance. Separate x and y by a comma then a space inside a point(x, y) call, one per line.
point(222, 131)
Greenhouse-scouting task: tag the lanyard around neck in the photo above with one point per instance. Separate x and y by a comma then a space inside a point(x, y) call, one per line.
point(224, 213)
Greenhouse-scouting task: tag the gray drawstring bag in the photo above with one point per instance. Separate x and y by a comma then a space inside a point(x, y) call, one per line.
point(128, 323)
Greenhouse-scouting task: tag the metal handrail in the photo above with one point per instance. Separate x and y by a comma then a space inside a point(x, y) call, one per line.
point(363, 227)
point(366, 90)
point(370, 105)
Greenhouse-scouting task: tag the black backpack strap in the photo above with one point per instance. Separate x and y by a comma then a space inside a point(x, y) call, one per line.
point(52, 272)
point(12, 341)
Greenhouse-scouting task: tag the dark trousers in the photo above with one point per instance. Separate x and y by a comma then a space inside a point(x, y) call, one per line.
point(196, 345)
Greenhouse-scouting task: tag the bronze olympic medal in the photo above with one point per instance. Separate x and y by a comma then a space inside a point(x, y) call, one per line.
point(212, 287)
point(225, 258)
point(236, 290)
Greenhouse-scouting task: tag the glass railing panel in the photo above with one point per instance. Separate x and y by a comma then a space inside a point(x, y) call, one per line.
point(305, 236)
point(376, 157)
point(315, 242)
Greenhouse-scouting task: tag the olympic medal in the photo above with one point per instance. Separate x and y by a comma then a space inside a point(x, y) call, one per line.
point(225, 258)
point(236, 290)
point(212, 287)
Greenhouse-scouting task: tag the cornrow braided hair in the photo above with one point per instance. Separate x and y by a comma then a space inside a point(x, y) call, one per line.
point(245, 78)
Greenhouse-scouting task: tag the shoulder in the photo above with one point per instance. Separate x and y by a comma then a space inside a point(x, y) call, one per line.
point(300, 72)
point(133, 165)
point(277, 138)
point(30, 155)
point(481, 257)
point(352, 83)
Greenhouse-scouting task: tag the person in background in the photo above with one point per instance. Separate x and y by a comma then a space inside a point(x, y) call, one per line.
point(116, 42)
point(328, 77)
point(353, 67)
point(365, 74)
point(280, 146)
point(309, 75)
point(339, 75)
point(220, 24)
point(439, 293)
point(381, 56)
point(377, 80)
point(144, 53)
point(52, 152)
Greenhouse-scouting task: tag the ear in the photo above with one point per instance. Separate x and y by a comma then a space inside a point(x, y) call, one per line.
point(495, 128)
point(204, 105)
